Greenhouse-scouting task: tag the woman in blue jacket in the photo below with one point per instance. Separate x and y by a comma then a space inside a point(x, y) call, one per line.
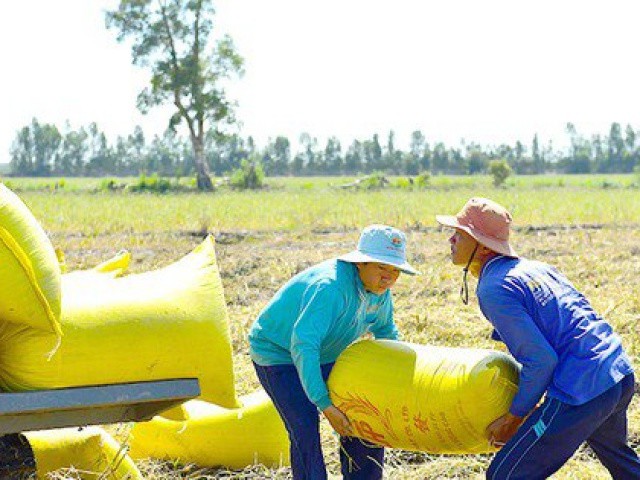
point(301, 332)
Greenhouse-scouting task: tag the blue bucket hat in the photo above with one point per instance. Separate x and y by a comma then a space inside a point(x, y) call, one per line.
point(381, 244)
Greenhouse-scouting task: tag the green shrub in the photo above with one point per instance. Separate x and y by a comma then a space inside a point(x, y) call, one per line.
point(404, 182)
point(250, 175)
point(636, 182)
point(373, 181)
point(110, 185)
point(606, 184)
point(500, 171)
point(153, 184)
point(423, 180)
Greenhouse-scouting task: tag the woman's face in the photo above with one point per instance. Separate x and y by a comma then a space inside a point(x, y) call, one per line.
point(377, 277)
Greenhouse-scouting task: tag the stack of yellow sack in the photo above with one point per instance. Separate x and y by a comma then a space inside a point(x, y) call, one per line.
point(168, 323)
point(99, 327)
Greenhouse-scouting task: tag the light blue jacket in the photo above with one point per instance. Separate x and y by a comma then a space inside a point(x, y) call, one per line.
point(314, 317)
point(564, 346)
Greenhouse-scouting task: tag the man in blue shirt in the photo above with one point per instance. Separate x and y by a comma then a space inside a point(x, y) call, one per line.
point(301, 332)
point(565, 348)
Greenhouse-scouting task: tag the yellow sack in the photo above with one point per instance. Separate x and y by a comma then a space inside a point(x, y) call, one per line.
point(210, 435)
point(91, 452)
point(423, 398)
point(168, 323)
point(29, 269)
point(109, 269)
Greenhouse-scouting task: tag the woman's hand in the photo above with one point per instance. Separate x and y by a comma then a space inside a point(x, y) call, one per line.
point(502, 429)
point(338, 421)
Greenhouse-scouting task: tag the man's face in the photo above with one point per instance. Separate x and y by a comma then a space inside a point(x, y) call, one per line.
point(377, 277)
point(462, 246)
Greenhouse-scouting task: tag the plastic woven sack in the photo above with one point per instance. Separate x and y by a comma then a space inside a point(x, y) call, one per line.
point(210, 436)
point(423, 398)
point(29, 269)
point(167, 323)
point(90, 452)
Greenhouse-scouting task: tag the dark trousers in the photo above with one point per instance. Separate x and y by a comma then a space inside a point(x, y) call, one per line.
point(16, 458)
point(552, 434)
point(358, 460)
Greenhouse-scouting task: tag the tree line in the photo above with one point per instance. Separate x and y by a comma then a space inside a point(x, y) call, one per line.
point(43, 149)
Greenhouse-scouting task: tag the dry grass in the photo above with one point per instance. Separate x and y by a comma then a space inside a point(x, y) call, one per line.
point(602, 262)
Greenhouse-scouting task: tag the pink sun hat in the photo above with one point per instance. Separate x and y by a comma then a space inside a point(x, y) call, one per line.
point(486, 221)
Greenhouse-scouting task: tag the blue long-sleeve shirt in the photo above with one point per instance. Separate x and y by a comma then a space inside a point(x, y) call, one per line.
point(314, 317)
point(564, 347)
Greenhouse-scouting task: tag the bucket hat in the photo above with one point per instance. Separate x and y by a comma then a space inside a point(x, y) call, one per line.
point(381, 244)
point(486, 221)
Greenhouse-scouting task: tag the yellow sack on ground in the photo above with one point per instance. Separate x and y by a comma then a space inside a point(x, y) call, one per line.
point(423, 398)
point(168, 323)
point(29, 269)
point(210, 435)
point(91, 452)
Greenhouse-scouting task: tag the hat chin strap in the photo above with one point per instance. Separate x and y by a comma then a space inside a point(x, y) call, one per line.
point(464, 290)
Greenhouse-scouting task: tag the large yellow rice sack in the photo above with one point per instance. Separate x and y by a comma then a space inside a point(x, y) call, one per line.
point(91, 452)
point(29, 269)
point(168, 323)
point(423, 398)
point(210, 435)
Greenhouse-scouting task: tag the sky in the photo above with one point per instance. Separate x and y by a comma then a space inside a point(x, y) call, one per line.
point(490, 71)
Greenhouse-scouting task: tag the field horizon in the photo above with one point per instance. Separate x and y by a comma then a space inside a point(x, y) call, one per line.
point(589, 227)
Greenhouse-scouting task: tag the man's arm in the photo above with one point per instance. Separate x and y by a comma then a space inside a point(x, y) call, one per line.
point(504, 307)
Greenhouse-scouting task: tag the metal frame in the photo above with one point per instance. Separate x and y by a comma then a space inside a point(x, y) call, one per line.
point(92, 405)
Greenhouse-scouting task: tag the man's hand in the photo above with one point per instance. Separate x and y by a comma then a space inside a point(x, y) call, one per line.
point(338, 421)
point(502, 429)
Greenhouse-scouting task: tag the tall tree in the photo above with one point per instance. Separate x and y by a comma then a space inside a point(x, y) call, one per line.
point(173, 37)
point(440, 158)
point(73, 152)
point(353, 158)
point(630, 138)
point(280, 151)
point(35, 149)
point(333, 156)
point(309, 144)
point(376, 153)
point(536, 157)
point(100, 155)
point(616, 147)
point(22, 152)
